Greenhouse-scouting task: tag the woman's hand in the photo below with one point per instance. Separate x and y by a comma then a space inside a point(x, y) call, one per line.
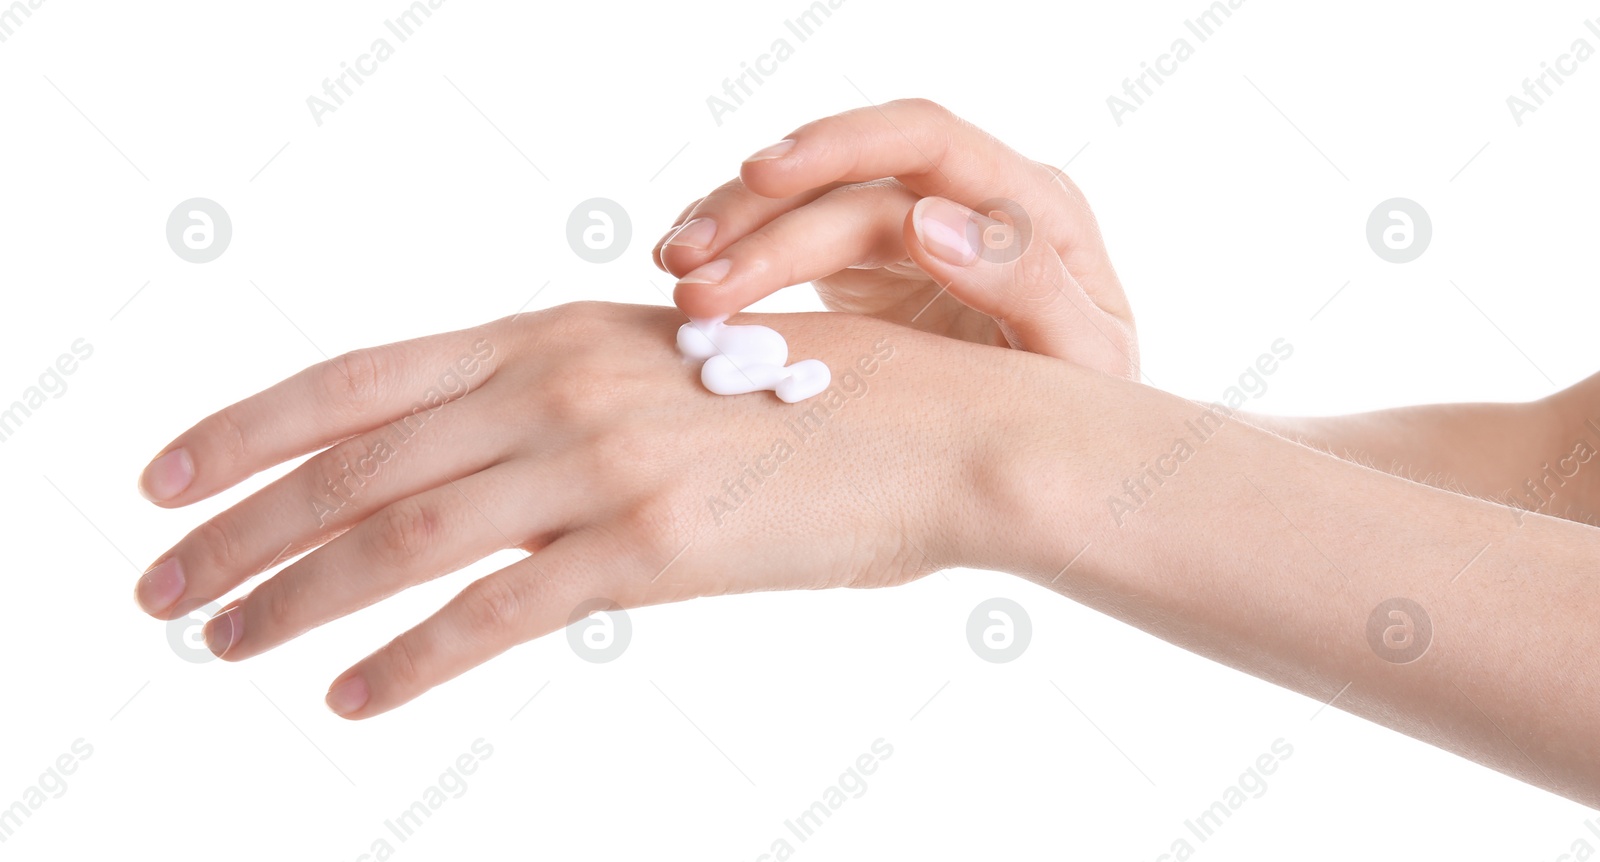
point(579, 435)
point(873, 206)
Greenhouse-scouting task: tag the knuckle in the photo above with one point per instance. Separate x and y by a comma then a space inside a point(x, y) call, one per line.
point(733, 188)
point(337, 483)
point(355, 380)
point(405, 659)
point(271, 610)
point(228, 432)
point(492, 605)
point(1037, 278)
point(406, 530)
point(923, 107)
point(578, 397)
point(221, 549)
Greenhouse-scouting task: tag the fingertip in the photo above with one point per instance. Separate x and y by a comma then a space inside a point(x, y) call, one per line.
point(349, 695)
point(166, 477)
point(701, 301)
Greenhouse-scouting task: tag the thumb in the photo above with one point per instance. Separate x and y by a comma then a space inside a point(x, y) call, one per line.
point(989, 262)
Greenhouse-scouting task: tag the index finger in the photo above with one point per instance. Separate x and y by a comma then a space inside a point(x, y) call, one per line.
point(925, 146)
point(317, 407)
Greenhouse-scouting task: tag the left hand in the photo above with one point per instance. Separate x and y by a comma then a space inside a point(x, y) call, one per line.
point(873, 207)
point(579, 435)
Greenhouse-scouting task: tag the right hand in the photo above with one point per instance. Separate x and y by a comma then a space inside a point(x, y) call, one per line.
point(872, 206)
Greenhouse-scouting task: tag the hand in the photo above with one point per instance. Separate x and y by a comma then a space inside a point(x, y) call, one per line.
point(871, 206)
point(621, 476)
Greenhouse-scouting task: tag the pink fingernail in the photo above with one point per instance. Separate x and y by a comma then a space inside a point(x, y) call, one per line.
point(167, 476)
point(697, 234)
point(711, 273)
point(160, 588)
point(776, 151)
point(946, 229)
point(348, 695)
point(224, 630)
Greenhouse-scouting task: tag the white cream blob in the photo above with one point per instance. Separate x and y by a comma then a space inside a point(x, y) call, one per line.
point(741, 359)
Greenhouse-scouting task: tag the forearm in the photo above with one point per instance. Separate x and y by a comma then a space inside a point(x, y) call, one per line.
point(1271, 557)
point(1527, 455)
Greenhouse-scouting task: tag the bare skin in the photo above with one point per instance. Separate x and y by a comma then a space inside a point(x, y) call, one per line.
point(615, 471)
point(1261, 553)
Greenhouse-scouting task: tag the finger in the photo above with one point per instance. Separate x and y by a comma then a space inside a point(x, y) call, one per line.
point(523, 601)
point(921, 143)
point(853, 226)
point(320, 499)
point(1023, 285)
point(934, 152)
point(677, 223)
point(327, 402)
point(406, 543)
point(724, 217)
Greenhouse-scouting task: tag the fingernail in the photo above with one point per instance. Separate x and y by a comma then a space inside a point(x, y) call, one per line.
point(348, 695)
point(167, 476)
point(697, 234)
point(776, 151)
point(159, 588)
point(711, 273)
point(946, 229)
point(223, 630)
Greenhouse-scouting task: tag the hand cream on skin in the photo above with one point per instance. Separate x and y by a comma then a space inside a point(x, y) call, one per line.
point(741, 359)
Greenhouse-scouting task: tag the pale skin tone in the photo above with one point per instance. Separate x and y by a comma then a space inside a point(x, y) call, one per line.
point(952, 450)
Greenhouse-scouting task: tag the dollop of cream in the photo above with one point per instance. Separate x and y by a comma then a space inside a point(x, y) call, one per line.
point(742, 359)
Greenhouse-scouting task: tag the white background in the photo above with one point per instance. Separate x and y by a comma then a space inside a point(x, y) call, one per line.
point(1234, 203)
